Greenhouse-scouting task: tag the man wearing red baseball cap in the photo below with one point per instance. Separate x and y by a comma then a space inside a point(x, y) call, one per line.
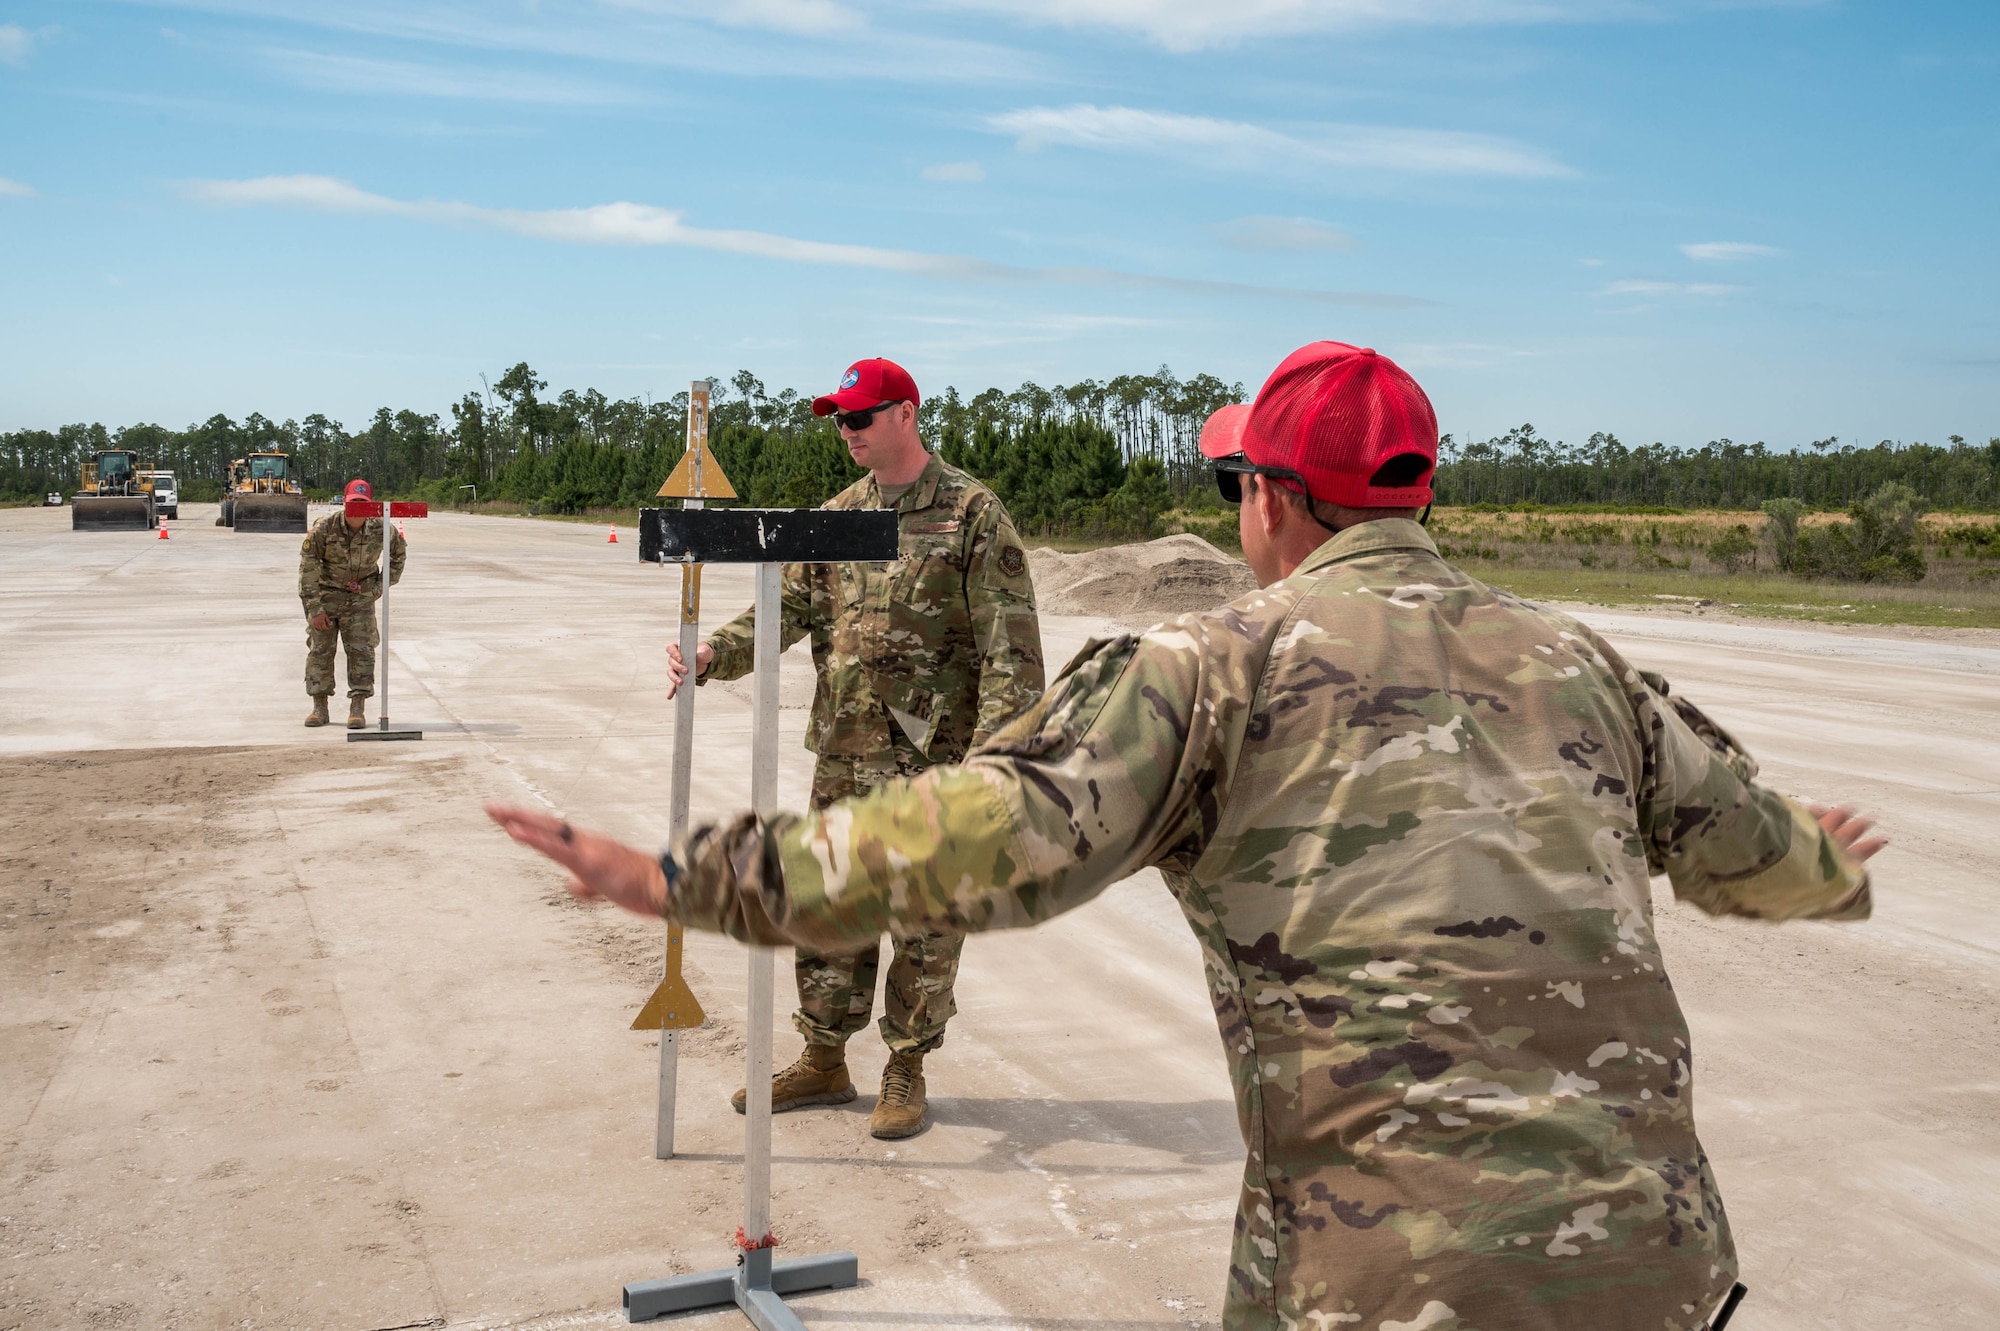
point(1342, 431)
point(1413, 821)
point(340, 580)
point(917, 662)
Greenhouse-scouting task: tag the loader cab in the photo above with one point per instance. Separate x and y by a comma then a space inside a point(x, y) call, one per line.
point(115, 470)
point(269, 471)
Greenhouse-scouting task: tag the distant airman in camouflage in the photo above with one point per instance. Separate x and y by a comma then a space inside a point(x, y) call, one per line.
point(340, 580)
point(917, 662)
point(1412, 821)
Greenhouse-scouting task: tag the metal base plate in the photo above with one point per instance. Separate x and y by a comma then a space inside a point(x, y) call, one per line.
point(755, 1292)
point(405, 732)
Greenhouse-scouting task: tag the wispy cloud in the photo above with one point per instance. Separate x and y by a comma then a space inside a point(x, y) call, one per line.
point(771, 39)
point(811, 18)
point(1729, 251)
point(967, 173)
point(1282, 235)
point(1186, 25)
point(1641, 286)
point(342, 73)
point(15, 43)
point(1237, 144)
point(643, 224)
point(14, 189)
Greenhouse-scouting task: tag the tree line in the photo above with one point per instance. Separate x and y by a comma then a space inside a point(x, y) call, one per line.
point(1090, 458)
point(1520, 467)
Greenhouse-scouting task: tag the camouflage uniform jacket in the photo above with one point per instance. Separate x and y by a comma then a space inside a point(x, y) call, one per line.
point(336, 562)
point(1412, 821)
point(943, 643)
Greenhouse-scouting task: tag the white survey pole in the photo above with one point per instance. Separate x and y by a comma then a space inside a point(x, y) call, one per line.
point(764, 802)
point(677, 823)
point(691, 481)
point(382, 648)
point(386, 512)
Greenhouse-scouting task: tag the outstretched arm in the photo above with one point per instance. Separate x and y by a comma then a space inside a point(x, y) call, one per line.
point(1098, 779)
point(1733, 847)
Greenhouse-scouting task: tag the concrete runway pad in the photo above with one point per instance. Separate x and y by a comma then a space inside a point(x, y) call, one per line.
point(291, 1037)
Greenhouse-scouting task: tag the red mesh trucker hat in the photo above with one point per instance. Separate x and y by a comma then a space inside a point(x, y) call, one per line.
point(358, 490)
point(1334, 414)
point(866, 383)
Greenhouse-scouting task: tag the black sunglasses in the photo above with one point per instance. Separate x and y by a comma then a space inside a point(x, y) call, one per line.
point(1230, 471)
point(858, 421)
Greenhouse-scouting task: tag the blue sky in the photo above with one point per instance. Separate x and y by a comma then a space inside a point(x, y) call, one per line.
point(1675, 221)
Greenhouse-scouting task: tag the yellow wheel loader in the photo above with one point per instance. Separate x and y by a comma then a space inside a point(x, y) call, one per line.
point(114, 496)
point(262, 496)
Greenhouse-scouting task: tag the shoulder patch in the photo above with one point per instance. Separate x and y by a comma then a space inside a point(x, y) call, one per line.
point(1012, 561)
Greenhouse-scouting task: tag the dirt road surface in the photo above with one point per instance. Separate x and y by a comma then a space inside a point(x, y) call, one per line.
point(292, 1039)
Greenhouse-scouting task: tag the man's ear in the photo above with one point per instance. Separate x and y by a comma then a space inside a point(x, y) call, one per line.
point(1271, 505)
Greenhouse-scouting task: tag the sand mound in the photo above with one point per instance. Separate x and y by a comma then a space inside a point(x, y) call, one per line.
point(1140, 583)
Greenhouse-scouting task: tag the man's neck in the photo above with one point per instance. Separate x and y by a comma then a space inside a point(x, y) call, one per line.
point(904, 471)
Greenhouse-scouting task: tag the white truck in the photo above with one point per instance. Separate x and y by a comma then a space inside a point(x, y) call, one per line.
point(166, 495)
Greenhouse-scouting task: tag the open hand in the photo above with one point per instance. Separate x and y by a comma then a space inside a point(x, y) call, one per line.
point(320, 622)
point(600, 868)
point(1847, 828)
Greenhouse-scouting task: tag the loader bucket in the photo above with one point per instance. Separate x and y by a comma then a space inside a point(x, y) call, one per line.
point(268, 512)
point(112, 513)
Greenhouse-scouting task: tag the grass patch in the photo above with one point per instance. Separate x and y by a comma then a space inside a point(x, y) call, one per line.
point(1764, 597)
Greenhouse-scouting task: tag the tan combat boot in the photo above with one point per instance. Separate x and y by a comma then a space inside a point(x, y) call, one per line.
point(819, 1077)
point(899, 1110)
point(357, 713)
point(319, 716)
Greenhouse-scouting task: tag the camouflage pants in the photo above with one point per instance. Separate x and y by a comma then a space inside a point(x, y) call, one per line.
point(353, 624)
point(836, 993)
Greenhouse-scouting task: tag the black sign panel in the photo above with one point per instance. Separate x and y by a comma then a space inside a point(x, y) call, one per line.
point(767, 535)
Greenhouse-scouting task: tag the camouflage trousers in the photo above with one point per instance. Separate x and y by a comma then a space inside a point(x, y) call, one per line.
point(354, 625)
point(837, 993)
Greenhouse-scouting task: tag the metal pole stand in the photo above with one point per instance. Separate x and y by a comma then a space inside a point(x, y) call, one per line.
point(399, 509)
point(757, 1286)
point(768, 538)
point(758, 1283)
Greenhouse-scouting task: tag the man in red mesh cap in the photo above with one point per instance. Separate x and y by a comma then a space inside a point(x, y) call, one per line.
point(340, 580)
point(1412, 821)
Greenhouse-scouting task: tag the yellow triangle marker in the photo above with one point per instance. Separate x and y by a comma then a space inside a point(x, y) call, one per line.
point(714, 485)
point(697, 475)
point(673, 1006)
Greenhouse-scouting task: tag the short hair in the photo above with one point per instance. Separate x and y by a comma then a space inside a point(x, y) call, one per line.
point(1401, 472)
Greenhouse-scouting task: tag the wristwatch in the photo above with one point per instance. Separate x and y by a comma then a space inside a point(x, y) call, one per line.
point(670, 869)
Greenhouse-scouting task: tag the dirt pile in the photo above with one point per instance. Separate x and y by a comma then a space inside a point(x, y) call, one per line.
point(1142, 583)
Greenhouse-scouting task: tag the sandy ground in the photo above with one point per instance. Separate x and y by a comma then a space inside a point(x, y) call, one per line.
point(291, 1039)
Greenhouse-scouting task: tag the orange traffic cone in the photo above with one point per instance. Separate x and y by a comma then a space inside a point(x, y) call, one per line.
point(614, 535)
point(163, 531)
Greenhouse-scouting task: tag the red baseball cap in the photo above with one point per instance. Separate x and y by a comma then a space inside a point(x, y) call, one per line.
point(866, 383)
point(358, 489)
point(1334, 414)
